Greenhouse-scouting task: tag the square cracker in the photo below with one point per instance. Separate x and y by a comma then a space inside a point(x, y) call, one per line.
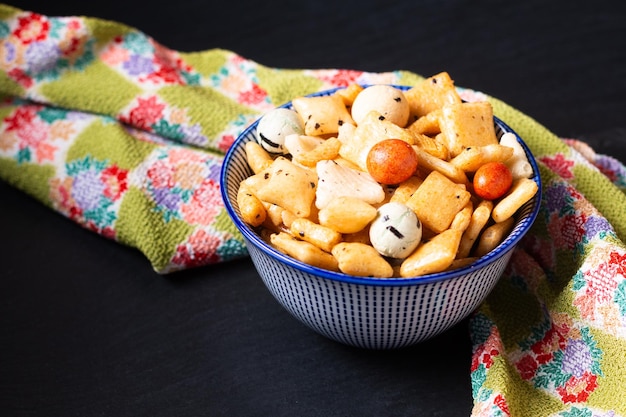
point(467, 124)
point(322, 115)
point(437, 201)
point(431, 94)
point(290, 187)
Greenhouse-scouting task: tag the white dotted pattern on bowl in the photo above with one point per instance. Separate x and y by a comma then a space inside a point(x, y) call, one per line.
point(370, 316)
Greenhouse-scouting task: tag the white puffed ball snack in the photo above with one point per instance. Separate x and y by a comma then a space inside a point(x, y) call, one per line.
point(275, 126)
point(396, 231)
point(389, 101)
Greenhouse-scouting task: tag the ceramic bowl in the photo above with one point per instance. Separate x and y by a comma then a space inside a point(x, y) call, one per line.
point(367, 312)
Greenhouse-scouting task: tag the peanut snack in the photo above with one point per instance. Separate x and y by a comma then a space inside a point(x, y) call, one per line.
point(335, 195)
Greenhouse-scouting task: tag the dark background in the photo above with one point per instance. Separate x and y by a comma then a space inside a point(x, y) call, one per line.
point(86, 327)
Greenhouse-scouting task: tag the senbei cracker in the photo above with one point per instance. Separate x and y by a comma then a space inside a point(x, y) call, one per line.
point(437, 201)
point(467, 124)
point(316, 200)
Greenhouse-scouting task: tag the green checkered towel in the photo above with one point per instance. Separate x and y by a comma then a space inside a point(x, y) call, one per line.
point(125, 137)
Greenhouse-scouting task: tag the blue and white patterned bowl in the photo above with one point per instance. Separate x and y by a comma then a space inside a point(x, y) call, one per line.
point(367, 312)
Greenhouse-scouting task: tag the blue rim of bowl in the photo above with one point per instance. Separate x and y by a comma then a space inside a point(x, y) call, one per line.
point(521, 228)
